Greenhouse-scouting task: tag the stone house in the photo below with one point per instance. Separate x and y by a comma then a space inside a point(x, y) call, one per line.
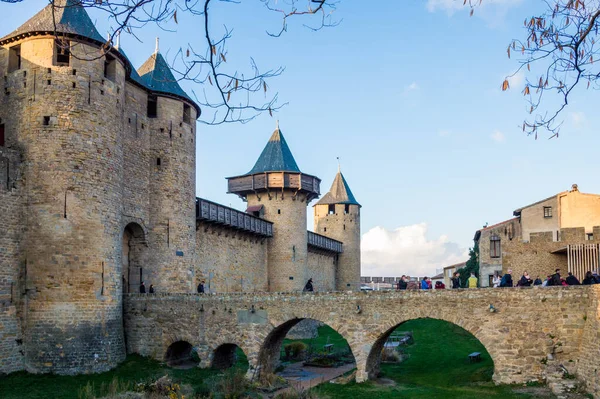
point(557, 232)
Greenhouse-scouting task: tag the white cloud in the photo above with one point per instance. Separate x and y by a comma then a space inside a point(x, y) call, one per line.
point(452, 6)
point(498, 136)
point(412, 86)
point(516, 82)
point(578, 119)
point(406, 250)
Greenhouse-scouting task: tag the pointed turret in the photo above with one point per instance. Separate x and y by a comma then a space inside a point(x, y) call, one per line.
point(337, 216)
point(277, 189)
point(65, 17)
point(156, 75)
point(276, 156)
point(339, 193)
point(275, 169)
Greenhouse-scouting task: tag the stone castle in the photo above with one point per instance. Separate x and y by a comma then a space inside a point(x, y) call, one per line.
point(97, 193)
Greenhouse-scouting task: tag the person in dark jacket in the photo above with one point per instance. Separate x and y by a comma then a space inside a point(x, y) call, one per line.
point(142, 288)
point(555, 279)
point(151, 290)
point(201, 287)
point(525, 281)
point(402, 284)
point(589, 279)
point(572, 280)
point(309, 286)
point(507, 279)
point(456, 280)
point(538, 281)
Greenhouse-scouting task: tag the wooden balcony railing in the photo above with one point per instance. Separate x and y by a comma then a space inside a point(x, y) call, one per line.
point(322, 242)
point(211, 212)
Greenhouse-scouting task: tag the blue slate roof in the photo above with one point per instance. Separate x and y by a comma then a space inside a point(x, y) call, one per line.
point(71, 18)
point(276, 157)
point(156, 75)
point(339, 193)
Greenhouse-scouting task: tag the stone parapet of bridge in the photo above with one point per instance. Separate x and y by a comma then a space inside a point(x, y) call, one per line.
point(527, 326)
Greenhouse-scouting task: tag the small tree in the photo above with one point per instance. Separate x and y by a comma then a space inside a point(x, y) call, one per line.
point(471, 266)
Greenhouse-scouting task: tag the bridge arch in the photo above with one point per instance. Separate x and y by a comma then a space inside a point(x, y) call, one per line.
point(225, 356)
point(270, 349)
point(380, 334)
point(179, 353)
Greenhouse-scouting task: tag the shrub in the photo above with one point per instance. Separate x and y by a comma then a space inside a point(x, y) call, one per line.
point(295, 349)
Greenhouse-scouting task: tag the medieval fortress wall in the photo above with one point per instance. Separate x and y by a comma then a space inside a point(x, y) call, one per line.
point(97, 194)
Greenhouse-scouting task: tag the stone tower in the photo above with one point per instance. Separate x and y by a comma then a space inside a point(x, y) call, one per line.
point(281, 192)
point(90, 132)
point(337, 215)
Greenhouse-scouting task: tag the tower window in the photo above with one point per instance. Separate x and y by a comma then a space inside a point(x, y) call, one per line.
point(110, 67)
point(279, 211)
point(347, 208)
point(62, 52)
point(324, 229)
point(152, 106)
point(158, 161)
point(187, 113)
point(14, 58)
point(2, 135)
point(331, 210)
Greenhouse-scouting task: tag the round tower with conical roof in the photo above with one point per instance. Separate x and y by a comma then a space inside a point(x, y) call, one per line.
point(276, 184)
point(337, 215)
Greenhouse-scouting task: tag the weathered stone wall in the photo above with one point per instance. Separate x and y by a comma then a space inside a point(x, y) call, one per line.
point(230, 261)
point(518, 337)
point(11, 261)
point(345, 227)
point(507, 231)
point(588, 361)
point(536, 256)
point(287, 249)
point(322, 266)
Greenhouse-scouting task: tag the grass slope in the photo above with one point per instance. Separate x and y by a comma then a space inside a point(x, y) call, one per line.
point(437, 367)
point(134, 369)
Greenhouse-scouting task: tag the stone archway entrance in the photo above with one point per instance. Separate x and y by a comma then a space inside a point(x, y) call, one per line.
point(179, 355)
point(133, 248)
point(227, 356)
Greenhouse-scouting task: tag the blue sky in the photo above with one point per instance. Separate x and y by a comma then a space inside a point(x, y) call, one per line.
point(407, 94)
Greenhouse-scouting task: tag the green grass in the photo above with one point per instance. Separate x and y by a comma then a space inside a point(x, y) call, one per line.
point(326, 335)
point(134, 369)
point(437, 367)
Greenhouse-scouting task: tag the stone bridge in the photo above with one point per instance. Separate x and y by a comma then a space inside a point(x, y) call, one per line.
point(528, 324)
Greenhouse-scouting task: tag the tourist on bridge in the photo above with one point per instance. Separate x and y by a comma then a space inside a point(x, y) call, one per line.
point(402, 283)
point(555, 279)
point(496, 280)
point(538, 281)
point(151, 289)
point(424, 285)
point(201, 287)
point(572, 280)
point(507, 280)
point(472, 281)
point(309, 286)
point(456, 280)
point(439, 285)
point(142, 288)
point(525, 280)
point(589, 279)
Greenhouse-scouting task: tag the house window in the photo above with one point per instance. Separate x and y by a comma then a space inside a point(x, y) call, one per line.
point(14, 58)
point(547, 211)
point(187, 113)
point(62, 52)
point(152, 106)
point(331, 209)
point(495, 246)
point(589, 236)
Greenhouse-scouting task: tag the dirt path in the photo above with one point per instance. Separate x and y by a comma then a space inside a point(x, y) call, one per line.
point(302, 378)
